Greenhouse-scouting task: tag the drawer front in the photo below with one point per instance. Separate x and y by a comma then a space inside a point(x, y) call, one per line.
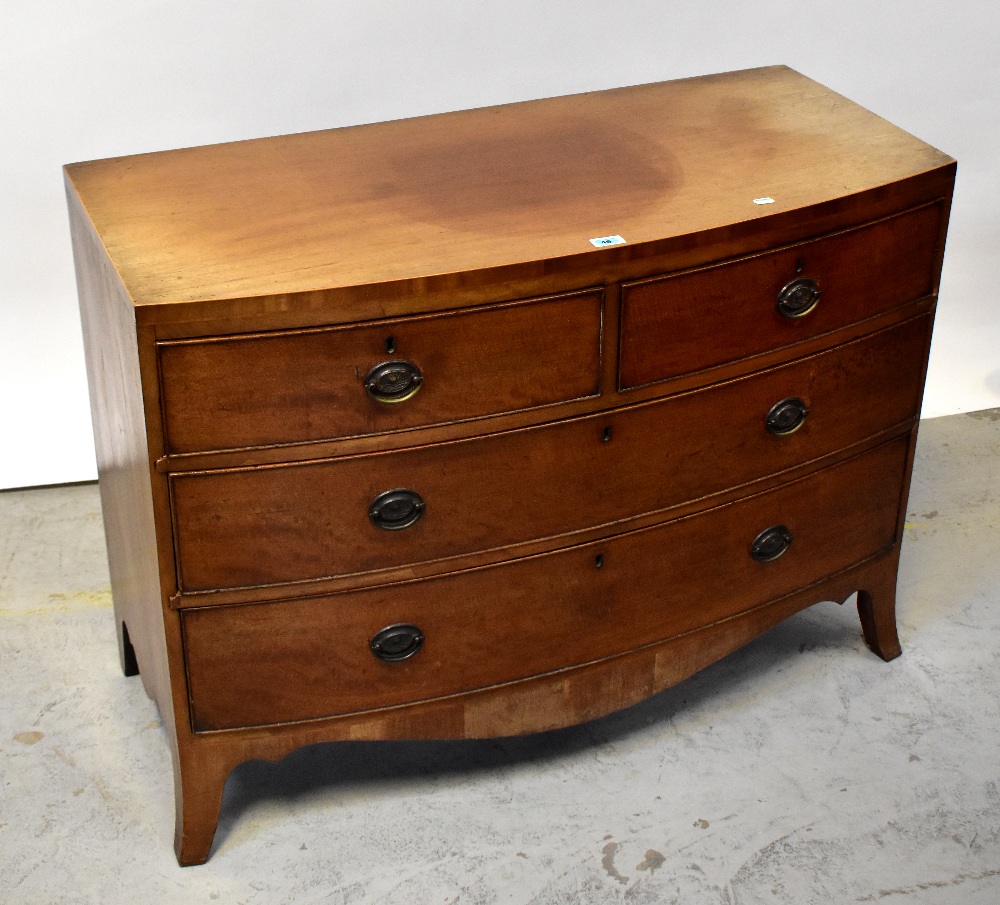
point(276, 524)
point(296, 660)
point(297, 386)
point(699, 319)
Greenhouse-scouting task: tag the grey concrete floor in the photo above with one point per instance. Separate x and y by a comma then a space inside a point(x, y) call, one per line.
point(802, 769)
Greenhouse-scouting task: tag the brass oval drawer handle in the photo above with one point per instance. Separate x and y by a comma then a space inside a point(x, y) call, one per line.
point(393, 381)
point(799, 297)
point(771, 543)
point(396, 509)
point(397, 642)
point(786, 417)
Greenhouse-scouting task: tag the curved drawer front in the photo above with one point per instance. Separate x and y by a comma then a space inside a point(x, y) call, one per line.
point(532, 616)
point(276, 524)
point(296, 386)
point(690, 321)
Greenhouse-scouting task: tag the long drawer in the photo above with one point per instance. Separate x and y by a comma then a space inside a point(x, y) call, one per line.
point(276, 524)
point(230, 392)
point(693, 320)
point(308, 658)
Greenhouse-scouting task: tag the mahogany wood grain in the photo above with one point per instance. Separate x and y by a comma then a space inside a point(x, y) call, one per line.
point(496, 188)
point(703, 318)
point(531, 705)
point(609, 400)
point(295, 660)
point(123, 461)
point(877, 611)
point(192, 262)
point(281, 388)
point(263, 526)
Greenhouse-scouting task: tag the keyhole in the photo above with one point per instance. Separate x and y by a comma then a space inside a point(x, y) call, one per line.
point(800, 265)
point(598, 560)
point(606, 436)
point(390, 345)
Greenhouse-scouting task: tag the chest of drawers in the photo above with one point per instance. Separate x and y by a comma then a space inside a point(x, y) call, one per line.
point(497, 421)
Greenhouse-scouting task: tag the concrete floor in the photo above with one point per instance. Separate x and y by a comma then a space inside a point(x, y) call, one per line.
point(800, 770)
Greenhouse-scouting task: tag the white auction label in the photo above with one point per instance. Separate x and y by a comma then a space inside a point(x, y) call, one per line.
point(605, 241)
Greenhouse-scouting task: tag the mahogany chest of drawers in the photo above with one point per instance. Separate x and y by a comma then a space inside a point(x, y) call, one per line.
point(497, 421)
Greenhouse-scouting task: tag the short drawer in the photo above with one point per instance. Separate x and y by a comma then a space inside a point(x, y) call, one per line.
point(249, 390)
point(304, 659)
point(690, 321)
point(253, 527)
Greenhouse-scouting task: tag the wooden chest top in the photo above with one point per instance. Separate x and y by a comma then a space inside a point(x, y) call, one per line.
point(509, 189)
